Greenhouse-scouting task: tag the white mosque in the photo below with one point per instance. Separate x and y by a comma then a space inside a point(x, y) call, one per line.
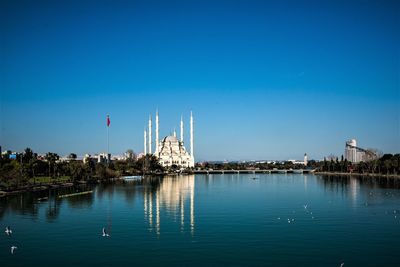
point(169, 150)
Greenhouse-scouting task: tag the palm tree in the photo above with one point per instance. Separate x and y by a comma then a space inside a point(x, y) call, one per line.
point(388, 164)
point(32, 165)
point(51, 159)
point(28, 155)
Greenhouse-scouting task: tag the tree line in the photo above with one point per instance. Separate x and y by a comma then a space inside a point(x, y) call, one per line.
point(386, 164)
point(28, 168)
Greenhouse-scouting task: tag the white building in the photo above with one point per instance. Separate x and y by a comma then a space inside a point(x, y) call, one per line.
point(350, 151)
point(169, 150)
point(97, 158)
point(304, 162)
point(353, 153)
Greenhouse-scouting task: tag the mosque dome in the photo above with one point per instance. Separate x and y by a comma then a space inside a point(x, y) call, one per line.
point(170, 138)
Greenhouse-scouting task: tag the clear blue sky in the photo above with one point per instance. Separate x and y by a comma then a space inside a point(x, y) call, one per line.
point(265, 79)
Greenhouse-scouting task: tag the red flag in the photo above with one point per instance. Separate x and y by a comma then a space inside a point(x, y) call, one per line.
point(108, 121)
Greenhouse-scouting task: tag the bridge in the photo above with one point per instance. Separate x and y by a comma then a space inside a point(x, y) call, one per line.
point(301, 171)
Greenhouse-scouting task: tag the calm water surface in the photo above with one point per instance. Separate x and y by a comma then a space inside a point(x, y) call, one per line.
point(215, 220)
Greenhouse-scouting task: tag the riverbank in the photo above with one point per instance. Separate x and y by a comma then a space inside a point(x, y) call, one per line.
point(378, 175)
point(34, 188)
point(46, 183)
point(47, 186)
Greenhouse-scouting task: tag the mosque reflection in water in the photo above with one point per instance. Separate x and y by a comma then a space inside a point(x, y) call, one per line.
point(170, 201)
point(175, 196)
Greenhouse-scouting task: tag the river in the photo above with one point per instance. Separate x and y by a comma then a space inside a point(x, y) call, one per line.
point(208, 220)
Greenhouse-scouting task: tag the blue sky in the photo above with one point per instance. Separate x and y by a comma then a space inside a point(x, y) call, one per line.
point(265, 79)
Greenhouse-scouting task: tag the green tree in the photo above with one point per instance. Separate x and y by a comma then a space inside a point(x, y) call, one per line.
point(27, 155)
point(396, 163)
point(72, 156)
point(76, 170)
point(51, 158)
point(388, 164)
point(12, 174)
point(101, 171)
point(90, 168)
point(149, 164)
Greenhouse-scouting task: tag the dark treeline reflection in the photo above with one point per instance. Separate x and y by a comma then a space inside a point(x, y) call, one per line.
point(351, 185)
point(131, 190)
point(165, 190)
point(30, 203)
point(367, 181)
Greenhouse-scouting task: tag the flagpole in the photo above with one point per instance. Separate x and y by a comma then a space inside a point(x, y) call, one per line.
point(108, 138)
point(108, 142)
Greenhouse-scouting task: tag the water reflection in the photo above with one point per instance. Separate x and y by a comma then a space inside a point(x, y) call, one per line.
point(172, 195)
point(332, 182)
point(354, 189)
point(173, 198)
point(31, 202)
point(305, 182)
point(360, 189)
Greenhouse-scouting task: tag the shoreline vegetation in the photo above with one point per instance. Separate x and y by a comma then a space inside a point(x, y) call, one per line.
point(28, 172)
point(378, 175)
point(65, 184)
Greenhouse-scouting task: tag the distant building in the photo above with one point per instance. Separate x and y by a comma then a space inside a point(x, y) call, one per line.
point(103, 158)
point(98, 158)
point(304, 162)
point(88, 158)
point(355, 154)
point(140, 155)
point(350, 151)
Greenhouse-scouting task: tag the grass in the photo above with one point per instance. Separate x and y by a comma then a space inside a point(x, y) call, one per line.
point(47, 179)
point(39, 180)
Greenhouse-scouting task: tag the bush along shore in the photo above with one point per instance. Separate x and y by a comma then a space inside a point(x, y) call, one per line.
point(387, 165)
point(380, 175)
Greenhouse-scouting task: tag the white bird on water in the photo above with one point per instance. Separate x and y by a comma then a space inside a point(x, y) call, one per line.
point(8, 230)
point(12, 249)
point(105, 233)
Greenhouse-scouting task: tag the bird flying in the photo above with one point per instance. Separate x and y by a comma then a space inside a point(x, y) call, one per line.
point(105, 232)
point(8, 230)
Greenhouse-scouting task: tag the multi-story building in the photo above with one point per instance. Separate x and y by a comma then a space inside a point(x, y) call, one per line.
point(350, 151)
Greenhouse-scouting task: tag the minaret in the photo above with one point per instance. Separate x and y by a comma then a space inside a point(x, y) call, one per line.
point(150, 134)
point(191, 137)
point(305, 159)
point(181, 130)
point(157, 133)
point(145, 141)
point(174, 132)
